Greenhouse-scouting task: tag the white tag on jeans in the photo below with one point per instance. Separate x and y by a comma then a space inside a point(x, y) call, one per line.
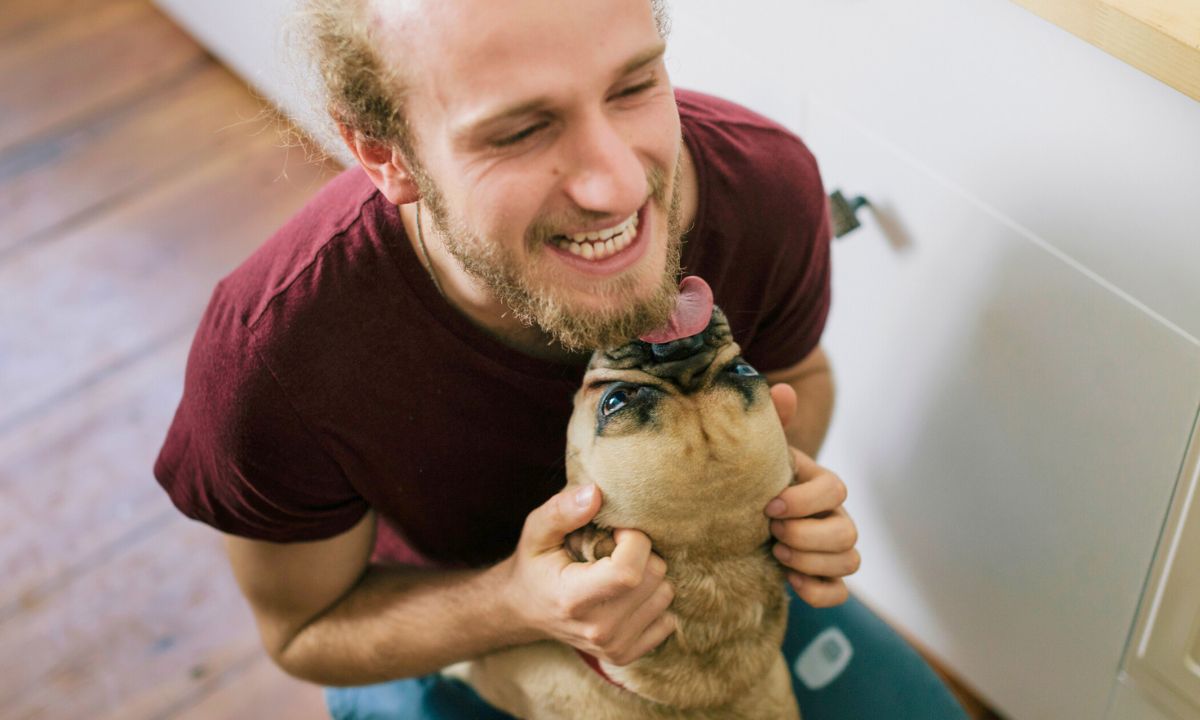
point(824, 659)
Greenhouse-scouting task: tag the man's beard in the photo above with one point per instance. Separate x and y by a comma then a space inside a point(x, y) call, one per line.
point(576, 329)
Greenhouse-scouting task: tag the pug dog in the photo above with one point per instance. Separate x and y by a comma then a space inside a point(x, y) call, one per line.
point(681, 437)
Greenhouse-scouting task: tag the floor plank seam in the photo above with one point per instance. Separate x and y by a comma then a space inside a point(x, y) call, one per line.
point(41, 24)
point(75, 221)
point(41, 407)
point(114, 106)
point(86, 564)
point(210, 686)
point(94, 118)
point(96, 211)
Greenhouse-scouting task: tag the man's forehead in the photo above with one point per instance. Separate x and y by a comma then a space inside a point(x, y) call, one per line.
point(474, 55)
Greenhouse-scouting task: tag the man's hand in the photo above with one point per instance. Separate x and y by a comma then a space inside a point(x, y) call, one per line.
point(614, 608)
point(816, 536)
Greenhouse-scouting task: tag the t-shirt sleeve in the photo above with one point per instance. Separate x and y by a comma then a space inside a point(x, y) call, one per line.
point(238, 456)
point(796, 292)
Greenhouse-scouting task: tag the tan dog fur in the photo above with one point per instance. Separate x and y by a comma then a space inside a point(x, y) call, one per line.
point(695, 478)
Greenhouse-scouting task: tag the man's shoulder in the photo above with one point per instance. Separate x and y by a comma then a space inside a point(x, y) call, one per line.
point(341, 213)
point(303, 309)
point(744, 146)
point(699, 107)
point(242, 453)
point(752, 169)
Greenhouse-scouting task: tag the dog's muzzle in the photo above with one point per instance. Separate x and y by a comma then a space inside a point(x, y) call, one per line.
point(683, 361)
point(677, 349)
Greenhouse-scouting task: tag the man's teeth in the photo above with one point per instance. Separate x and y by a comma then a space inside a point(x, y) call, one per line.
point(591, 246)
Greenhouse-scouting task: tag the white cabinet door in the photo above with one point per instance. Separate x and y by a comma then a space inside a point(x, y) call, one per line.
point(1011, 428)
point(1130, 702)
point(1163, 661)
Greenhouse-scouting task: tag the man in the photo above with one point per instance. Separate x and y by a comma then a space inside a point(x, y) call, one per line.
point(376, 400)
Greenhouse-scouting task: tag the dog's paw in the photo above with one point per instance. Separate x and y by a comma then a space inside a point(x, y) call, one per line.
point(589, 543)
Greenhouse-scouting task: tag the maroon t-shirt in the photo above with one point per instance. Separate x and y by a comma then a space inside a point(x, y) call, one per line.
point(328, 375)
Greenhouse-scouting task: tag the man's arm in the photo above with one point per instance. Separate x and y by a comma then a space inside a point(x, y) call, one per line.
point(816, 536)
point(812, 408)
point(327, 615)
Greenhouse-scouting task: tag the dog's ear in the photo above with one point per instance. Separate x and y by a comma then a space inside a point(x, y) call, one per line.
point(589, 543)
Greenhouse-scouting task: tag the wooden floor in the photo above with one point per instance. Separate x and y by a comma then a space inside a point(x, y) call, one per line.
point(134, 172)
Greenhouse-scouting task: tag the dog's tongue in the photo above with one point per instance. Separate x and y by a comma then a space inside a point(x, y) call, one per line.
point(692, 312)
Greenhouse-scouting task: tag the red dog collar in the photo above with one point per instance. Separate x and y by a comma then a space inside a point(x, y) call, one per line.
point(594, 664)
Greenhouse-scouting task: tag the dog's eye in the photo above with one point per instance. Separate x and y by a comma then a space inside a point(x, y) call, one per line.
point(614, 400)
point(743, 369)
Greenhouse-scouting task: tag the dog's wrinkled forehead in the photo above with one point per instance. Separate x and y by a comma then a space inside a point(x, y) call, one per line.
point(682, 361)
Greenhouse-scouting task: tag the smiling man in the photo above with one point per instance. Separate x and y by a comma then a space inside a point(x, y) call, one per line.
point(376, 400)
point(554, 201)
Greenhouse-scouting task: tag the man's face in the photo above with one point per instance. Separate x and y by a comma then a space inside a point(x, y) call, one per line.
point(537, 123)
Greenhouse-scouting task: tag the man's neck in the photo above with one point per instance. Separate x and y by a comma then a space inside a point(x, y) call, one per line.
point(470, 297)
point(475, 301)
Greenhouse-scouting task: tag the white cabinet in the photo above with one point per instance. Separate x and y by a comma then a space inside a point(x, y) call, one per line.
point(1011, 426)
point(1130, 702)
point(1163, 661)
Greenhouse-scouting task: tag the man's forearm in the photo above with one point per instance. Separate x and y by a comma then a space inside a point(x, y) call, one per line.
point(814, 410)
point(813, 383)
point(404, 622)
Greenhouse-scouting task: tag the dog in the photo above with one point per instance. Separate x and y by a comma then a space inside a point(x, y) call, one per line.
point(683, 441)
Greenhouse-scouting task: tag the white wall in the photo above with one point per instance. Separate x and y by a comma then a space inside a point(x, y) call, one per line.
point(256, 40)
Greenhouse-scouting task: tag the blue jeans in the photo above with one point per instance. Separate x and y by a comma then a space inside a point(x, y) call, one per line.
point(846, 664)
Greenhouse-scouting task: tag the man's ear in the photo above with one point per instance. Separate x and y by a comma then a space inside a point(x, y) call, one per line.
point(385, 165)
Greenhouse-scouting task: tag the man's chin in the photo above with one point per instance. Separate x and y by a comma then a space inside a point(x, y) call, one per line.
point(596, 321)
point(585, 311)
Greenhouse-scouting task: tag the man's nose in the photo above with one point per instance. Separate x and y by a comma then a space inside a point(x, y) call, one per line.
point(606, 176)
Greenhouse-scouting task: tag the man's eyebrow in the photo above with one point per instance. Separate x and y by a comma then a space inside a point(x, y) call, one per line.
point(642, 59)
point(524, 107)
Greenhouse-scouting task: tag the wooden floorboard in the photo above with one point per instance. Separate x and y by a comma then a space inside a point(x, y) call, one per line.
point(259, 690)
point(29, 18)
point(81, 469)
point(134, 173)
point(85, 63)
point(61, 179)
point(131, 636)
point(109, 288)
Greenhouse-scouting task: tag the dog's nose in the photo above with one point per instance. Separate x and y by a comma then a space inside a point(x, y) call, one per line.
point(677, 349)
